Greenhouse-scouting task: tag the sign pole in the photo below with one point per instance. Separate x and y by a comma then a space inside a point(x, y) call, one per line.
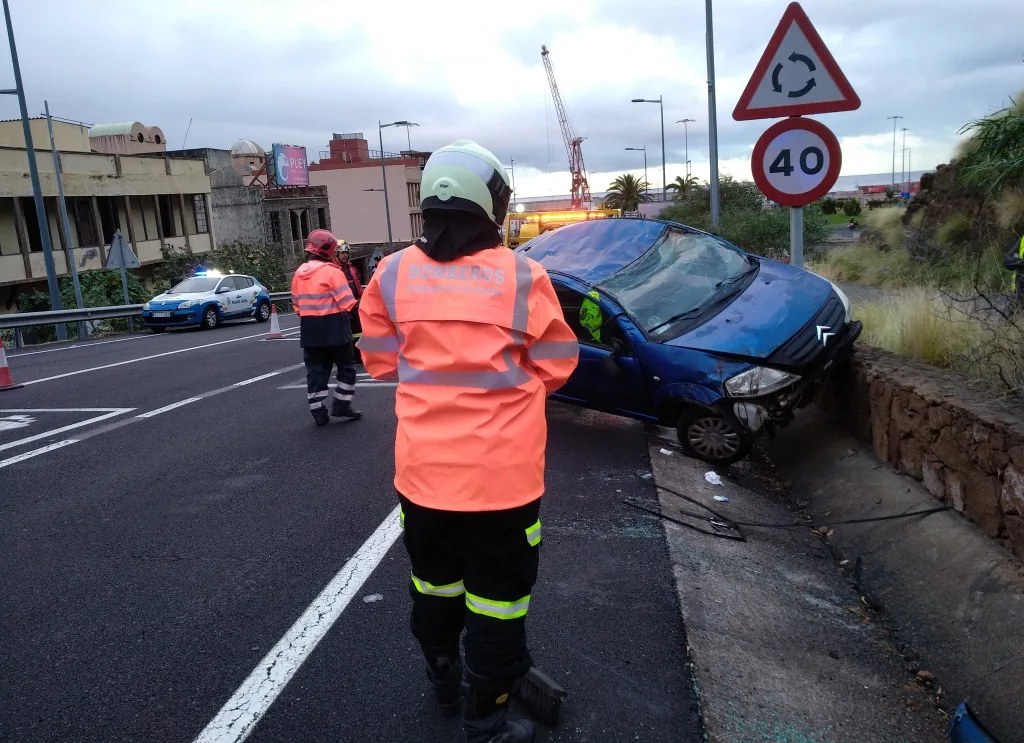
point(796, 236)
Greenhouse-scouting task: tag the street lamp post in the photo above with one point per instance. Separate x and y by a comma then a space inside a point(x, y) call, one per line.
point(512, 167)
point(903, 158)
point(643, 150)
point(407, 125)
point(712, 113)
point(660, 103)
point(894, 120)
point(686, 140)
point(33, 169)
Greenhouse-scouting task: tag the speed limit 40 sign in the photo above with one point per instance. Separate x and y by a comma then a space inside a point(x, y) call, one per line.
point(796, 161)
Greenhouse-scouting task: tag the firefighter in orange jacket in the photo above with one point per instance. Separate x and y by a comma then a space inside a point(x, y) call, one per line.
point(476, 339)
point(323, 299)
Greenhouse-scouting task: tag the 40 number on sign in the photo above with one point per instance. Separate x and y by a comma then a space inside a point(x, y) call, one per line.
point(796, 161)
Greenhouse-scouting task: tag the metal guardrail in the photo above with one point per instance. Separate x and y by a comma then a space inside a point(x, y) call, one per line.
point(17, 321)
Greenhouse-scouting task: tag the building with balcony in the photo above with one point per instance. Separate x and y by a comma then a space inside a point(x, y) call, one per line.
point(152, 199)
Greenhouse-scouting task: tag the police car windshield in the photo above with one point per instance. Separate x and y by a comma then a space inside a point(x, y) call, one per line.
point(684, 273)
point(195, 285)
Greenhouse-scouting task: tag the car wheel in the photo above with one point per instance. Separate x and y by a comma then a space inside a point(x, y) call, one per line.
point(211, 319)
point(712, 437)
point(155, 329)
point(263, 311)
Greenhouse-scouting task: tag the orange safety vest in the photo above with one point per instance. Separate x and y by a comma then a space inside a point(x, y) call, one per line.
point(476, 345)
point(321, 288)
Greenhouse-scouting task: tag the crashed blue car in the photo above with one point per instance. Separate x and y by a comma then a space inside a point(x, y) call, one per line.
point(681, 328)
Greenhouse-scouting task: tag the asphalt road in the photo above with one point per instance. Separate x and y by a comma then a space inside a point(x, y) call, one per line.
point(153, 553)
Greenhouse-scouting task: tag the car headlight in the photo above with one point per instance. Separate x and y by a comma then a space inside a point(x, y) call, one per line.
point(187, 303)
point(845, 300)
point(145, 306)
point(758, 381)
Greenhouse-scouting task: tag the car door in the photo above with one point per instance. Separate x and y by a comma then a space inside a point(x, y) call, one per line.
point(608, 376)
point(250, 292)
point(238, 297)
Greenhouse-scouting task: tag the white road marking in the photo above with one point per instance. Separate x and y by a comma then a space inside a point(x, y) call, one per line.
point(11, 422)
point(239, 715)
point(36, 452)
point(359, 386)
point(18, 354)
point(172, 406)
point(260, 377)
point(52, 432)
point(142, 358)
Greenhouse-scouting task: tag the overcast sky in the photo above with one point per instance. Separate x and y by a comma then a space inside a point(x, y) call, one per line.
point(468, 68)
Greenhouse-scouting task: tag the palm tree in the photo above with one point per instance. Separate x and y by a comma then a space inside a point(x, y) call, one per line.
point(626, 192)
point(682, 186)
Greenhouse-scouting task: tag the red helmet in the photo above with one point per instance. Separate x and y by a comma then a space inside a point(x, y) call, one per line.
point(322, 244)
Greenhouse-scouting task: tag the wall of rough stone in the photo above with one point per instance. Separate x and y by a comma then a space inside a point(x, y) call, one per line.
point(965, 445)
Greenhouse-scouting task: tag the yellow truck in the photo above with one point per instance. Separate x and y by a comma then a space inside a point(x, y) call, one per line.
point(521, 227)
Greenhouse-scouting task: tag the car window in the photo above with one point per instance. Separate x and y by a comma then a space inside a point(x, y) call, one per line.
point(587, 320)
point(195, 285)
point(247, 280)
point(682, 273)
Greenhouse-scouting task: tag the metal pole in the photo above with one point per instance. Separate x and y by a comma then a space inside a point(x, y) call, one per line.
point(796, 236)
point(903, 158)
point(408, 136)
point(384, 175)
point(686, 140)
point(664, 178)
point(37, 191)
point(646, 182)
point(513, 169)
point(69, 255)
point(712, 114)
point(894, 120)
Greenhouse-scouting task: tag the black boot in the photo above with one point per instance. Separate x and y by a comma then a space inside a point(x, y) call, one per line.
point(445, 675)
point(346, 411)
point(486, 707)
point(320, 416)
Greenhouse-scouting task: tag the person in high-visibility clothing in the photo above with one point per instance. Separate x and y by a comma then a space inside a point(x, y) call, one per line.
point(476, 339)
point(1014, 261)
point(591, 317)
point(352, 275)
point(323, 299)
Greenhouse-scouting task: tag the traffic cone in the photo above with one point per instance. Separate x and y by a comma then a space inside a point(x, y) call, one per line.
point(275, 324)
point(6, 381)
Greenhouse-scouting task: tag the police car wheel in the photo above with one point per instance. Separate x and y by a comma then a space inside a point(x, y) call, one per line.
point(263, 311)
point(210, 319)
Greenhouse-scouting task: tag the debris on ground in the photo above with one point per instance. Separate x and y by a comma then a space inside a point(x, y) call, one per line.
point(372, 598)
point(713, 477)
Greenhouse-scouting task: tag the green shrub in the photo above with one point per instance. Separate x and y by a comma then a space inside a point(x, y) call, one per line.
point(851, 207)
point(955, 232)
point(263, 262)
point(828, 206)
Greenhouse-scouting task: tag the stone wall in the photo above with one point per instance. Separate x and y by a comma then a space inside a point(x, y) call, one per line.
point(965, 445)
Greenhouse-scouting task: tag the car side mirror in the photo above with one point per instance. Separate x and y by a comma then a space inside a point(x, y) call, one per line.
point(224, 290)
point(619, 348)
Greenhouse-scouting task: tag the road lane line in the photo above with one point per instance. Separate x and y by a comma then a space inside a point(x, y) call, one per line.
point(36, 452)
point(54, 431)
point(260, 377)
point(239, 715)
point(142, 358)
point(172, 406)
point(16, 355)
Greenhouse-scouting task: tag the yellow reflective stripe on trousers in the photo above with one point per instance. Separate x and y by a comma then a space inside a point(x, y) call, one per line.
point(498, 609)
point(533, 534)
point(401, 518)
point(447, 591)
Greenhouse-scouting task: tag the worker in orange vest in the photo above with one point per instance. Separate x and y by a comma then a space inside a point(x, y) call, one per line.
point(323, 299)
point(476, 339)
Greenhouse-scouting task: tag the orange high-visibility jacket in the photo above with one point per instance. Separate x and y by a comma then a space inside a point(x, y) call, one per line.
point(476, 345)
point(322, 298)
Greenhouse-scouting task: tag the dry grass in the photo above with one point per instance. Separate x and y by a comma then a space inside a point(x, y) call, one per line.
point(1010, 208)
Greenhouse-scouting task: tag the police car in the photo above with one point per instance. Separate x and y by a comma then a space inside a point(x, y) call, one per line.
point(205, 300)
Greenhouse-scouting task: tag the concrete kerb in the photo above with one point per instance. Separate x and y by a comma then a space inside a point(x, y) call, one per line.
point(952, 595)
point(782, 647)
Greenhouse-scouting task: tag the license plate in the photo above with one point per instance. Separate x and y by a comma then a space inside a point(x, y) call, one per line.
point(161, 314)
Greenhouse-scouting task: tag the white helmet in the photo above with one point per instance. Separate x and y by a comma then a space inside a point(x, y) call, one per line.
point(465, 177)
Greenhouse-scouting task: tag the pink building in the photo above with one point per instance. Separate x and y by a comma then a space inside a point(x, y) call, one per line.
point(351, 171)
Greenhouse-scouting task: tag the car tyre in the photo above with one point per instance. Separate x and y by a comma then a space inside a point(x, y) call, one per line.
point(211, 318)
point(156, 329)
point(712, 437)
point(263, 311)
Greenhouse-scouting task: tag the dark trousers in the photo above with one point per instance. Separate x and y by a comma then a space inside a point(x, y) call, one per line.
point(320, 362)
point(473, 571)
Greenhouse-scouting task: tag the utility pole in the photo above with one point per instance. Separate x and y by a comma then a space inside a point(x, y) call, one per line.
point(512, 167)
point(69, 254)
point(643, 150)
point(384, 176)
point(33, 170)
point(894, 120)
point(712, 114)
point(903, 158)
point(686, 141)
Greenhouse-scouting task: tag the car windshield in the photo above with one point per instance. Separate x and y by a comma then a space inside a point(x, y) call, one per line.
point(681, 276)
point(195, 285)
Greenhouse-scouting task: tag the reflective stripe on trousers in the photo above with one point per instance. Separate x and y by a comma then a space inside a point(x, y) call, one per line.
point(450, 590)
point(533, 534)
point(498, 609)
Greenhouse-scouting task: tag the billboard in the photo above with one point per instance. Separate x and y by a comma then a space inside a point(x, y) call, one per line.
point(289, 163)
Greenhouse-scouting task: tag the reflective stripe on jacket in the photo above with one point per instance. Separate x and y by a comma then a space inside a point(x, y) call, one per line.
point(322, 298)
point(476, 345)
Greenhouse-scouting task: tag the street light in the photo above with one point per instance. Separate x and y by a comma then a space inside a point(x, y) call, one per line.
point(661, 103)
point(33, 170)
point(903, 157)
point(712, 111)
point(894, 120)
point(406, 124)
point(686, 139)
point(383, 169)
point(643, 150)
point(512, 167)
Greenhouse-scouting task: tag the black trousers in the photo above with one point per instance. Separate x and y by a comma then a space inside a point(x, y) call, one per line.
point(320, 362)
point(473, 571)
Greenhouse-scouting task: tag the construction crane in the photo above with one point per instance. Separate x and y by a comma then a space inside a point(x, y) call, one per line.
point(580, 187)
